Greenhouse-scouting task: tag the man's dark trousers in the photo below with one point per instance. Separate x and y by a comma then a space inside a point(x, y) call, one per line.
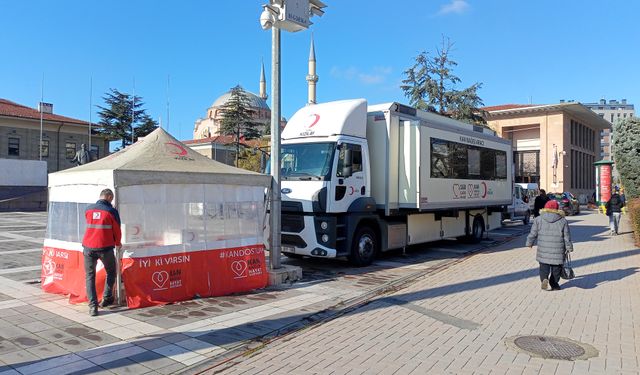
point(108, 259)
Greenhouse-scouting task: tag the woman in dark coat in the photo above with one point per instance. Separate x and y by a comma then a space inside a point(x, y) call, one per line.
point(551, 230)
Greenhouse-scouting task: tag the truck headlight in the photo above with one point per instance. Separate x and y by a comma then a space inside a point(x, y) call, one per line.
point(325, 238)
point(324, 225)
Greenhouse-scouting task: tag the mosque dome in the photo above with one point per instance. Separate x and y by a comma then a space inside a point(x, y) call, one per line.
point(254, 100)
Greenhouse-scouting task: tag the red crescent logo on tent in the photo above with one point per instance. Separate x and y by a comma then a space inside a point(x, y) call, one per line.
point(181, 150)
point(315, 121)
point(484, 194)
point(137, 228)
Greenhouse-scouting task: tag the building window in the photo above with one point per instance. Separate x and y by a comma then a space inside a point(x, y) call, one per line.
point(44, 148)
point(95, 152)
point(527, 166)
point(14, 146)
point(70, 150)
point(612, 118)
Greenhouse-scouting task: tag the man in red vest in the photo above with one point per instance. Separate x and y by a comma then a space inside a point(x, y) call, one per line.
point(101, 236)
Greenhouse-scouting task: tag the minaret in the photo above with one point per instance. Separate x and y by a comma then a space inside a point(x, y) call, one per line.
point(263, 84)
point(312, 77)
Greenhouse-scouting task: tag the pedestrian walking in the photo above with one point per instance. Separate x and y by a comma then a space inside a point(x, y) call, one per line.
point(551, 232)
point(539, 202)
point(101, 236)
point(614, 211)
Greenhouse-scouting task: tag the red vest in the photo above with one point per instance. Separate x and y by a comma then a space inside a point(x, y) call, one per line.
point(103, 226)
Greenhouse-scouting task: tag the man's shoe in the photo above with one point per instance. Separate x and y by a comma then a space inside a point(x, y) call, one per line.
point(545, 284)
point(106, 302)
point(556, 287)
point(93, 310)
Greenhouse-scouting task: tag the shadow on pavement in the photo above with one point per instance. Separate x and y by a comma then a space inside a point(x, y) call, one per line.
point(590, 281)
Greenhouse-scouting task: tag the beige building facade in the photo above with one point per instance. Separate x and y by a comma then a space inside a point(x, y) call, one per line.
point(554, 145)
point(62, 136)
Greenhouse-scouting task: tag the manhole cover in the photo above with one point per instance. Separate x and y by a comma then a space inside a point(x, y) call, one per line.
point(550, 347)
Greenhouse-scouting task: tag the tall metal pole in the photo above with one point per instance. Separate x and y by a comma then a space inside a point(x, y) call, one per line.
point(133, 109)
point(90, 105)
point(40, 108)
point(275, 149)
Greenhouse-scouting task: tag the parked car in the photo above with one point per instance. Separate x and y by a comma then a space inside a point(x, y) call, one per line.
point(567, 201)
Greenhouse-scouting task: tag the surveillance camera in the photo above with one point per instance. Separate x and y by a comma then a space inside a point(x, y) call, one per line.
point(266, 19)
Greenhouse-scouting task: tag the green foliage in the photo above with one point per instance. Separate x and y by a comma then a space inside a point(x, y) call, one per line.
point(633, 207)
point(237, 118)
point(431, 85)
point(119, 117)
point(626, 138)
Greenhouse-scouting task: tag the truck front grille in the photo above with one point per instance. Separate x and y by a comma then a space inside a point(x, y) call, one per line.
point(292, 223)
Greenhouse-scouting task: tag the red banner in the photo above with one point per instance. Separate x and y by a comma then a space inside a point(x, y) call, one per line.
point(605, 183)
point(161, 279)
point(63, 273)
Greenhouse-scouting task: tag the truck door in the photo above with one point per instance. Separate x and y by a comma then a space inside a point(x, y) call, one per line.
point(349, 180)
point(520, 207)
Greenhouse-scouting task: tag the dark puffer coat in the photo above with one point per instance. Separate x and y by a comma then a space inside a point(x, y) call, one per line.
point(551, 230)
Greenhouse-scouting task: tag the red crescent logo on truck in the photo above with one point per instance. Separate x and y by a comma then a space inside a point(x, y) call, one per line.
point(484, 185)
point(315, 120)
point(181, 150)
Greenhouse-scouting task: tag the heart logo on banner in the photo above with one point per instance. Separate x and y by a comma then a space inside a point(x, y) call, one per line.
point(49, 266)
point(160, 278)
point(239, 267)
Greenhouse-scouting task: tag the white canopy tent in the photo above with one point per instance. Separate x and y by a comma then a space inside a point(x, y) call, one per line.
point(173, 202)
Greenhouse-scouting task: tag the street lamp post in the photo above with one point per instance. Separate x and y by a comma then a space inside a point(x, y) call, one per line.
point(292, 16)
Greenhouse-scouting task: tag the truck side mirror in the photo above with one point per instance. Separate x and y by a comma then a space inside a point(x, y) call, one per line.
point(346, 168)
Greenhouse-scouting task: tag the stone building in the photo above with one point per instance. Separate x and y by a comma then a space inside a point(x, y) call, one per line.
point(612, 111)
point(554, 145)
point(61, 136)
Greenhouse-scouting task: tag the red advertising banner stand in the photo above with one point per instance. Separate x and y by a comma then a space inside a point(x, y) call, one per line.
point(192, 227)
point(604, 181)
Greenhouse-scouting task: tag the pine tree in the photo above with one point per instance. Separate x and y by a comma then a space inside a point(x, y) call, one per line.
point(237, 118)
point(627, 153)
point(431, 85)
point(119, 117)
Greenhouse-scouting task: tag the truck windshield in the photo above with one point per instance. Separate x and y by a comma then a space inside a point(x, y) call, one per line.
point(306, 161)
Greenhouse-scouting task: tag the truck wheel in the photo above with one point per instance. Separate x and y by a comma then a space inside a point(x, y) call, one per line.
point(527, 217)
point(477, 229)
point(364, 247)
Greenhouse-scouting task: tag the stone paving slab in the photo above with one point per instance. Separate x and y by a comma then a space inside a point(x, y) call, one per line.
point(418, 330)
point(43, 333)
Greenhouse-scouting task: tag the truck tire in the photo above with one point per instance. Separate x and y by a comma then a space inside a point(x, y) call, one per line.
point(527, 217)
point(477, 229)
point(364, 247)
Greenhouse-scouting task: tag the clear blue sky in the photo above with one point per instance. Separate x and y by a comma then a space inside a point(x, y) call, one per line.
point(543, 51)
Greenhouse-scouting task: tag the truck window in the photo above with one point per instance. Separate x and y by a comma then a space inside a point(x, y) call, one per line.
point(461, 161)
point(356, 159)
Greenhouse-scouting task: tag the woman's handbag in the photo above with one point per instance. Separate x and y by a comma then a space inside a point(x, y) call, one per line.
point(567, 271)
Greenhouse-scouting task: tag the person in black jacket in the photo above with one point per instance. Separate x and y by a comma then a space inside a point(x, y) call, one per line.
point(539, 203)
point(614, 211)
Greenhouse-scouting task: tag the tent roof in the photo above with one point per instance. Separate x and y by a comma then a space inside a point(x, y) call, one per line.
point(160, 158)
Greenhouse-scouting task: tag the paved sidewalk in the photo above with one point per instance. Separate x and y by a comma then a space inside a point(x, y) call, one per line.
point(460, 320)
point(43, 333)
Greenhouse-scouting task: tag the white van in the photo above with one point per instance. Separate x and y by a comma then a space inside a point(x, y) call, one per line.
point(531, 191)
point(519, 209)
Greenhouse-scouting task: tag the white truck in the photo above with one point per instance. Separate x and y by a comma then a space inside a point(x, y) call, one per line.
point(360, 179)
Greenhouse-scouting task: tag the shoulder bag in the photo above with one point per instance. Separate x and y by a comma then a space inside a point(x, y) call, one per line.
point(567, 272)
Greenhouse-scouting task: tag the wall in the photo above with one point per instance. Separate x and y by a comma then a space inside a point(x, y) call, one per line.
point(23, 172)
